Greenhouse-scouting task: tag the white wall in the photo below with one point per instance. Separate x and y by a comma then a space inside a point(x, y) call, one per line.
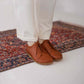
point(7, 17)
point(70, 11)
point(65, 10)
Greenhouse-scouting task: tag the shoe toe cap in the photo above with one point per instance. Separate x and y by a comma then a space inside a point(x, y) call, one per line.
point(58, 56)
point(46, 59)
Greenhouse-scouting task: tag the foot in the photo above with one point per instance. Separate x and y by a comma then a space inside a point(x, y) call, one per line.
point(38, 54)
point(52, 51)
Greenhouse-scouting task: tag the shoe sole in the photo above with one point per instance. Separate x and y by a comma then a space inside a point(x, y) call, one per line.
point(38, 62)
point(57, 60)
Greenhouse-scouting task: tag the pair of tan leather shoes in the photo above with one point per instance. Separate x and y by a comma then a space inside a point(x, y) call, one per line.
point(43, 53)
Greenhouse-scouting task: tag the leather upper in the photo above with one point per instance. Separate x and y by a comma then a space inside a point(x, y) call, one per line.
point(51, 50)
point(38, 53)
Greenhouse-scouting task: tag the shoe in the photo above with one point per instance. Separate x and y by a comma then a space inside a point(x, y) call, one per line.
point(51, 50)
point(38, 54)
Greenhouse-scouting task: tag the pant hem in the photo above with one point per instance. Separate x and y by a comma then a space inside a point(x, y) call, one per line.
point(27, 38)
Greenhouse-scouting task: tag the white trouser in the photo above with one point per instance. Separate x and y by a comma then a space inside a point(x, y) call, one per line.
point(34, 18)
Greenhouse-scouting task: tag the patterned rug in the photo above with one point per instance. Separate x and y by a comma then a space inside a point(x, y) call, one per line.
point(64, 37)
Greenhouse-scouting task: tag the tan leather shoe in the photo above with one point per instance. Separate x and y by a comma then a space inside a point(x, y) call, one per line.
point(51, 50)
point(38, 54)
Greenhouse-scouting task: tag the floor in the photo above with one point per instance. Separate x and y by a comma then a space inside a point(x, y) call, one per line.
point(70, 70)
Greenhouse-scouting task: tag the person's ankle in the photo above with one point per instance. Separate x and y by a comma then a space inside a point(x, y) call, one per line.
point(41, 41)
point(30, 43)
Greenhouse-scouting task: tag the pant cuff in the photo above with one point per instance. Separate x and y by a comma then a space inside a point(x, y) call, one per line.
point(27, 38)
point(46, 37)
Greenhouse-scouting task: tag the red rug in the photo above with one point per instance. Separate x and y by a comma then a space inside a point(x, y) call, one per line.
point(64, 37)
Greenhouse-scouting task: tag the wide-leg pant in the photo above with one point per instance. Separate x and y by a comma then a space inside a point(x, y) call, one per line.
point(34, 18)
